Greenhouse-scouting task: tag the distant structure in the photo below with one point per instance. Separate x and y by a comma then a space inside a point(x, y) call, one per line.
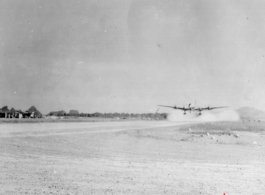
point(58, 113)
point(5, 112)
point(73, 113)
point(32, 112)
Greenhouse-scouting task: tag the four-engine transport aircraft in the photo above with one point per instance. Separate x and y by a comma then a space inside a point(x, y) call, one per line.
point(189, 108)
point(181, 108)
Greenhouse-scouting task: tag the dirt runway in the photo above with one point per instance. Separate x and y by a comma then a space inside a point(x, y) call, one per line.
point(144, 157)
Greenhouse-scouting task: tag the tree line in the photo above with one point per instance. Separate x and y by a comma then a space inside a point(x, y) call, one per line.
point(156, 116)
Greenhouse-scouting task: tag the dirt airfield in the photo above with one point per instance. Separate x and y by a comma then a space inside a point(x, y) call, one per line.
point(133, 157)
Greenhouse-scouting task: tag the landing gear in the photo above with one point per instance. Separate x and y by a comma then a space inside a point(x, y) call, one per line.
point(184, 113)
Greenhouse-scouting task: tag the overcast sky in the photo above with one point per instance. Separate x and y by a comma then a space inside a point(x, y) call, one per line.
point(131, 55)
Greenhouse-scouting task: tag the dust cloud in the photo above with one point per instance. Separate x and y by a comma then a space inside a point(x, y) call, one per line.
point(207, 116)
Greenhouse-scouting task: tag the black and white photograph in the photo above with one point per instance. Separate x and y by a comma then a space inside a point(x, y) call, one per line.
point(137, 97)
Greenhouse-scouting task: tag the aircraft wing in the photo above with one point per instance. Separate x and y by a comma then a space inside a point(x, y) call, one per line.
point(174, 107)
point(168, 106)
point(211, 108)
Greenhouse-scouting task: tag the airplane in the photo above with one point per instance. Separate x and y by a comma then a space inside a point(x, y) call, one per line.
point(180, 108)
point(189, 108)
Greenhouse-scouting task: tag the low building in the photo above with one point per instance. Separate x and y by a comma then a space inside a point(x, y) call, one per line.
point(57, 113)
point(73, 113)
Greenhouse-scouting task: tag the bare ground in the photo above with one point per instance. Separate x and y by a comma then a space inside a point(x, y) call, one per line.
point(144, 157)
